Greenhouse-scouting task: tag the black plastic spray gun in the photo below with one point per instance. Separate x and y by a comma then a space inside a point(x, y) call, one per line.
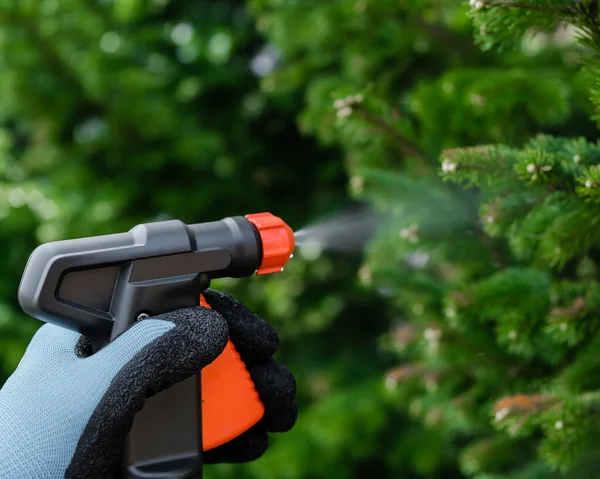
point(99, 286)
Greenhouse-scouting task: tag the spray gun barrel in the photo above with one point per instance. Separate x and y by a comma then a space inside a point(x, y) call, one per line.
point(99, 286)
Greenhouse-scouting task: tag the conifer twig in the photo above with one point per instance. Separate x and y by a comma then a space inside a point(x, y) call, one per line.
point(405, 146)
point(591, 18)
point(445, 38)
point(528, 6)
point(489, 245)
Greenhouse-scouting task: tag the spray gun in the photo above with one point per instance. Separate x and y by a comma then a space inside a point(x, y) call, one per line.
point(99, 286)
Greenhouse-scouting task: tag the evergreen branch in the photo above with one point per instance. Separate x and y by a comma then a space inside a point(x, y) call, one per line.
point(569, 312)
point(406, 372)
point(492, 250)
point(484, 354)
point(503, 23)
point(522, 404)
point(445, 38)
point(529, 6)
point(592, 400)
point(405, 146)
point(591, 16)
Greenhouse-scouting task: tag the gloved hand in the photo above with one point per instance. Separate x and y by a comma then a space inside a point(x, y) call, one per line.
point(65, 413)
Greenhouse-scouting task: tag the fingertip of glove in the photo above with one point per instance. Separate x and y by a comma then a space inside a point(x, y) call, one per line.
point(283, 420)
point(254, 338)
point(276, 386)
point(274, 381)
point(225, 304)
point(256, 447)
point(247, 447)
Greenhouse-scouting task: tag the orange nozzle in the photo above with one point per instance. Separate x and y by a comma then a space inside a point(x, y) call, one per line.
point(278, 242)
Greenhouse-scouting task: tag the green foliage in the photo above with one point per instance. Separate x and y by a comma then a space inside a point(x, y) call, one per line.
point(504, 23)
point(535, 23)
point(485, 168)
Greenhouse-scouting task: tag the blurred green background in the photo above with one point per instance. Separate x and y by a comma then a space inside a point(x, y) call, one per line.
point(115, 113)
point(118, 112)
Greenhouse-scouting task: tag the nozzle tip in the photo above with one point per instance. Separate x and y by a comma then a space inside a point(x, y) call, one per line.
point(278, 242)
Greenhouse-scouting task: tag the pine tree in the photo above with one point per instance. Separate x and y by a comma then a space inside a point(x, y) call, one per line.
point(483, 158)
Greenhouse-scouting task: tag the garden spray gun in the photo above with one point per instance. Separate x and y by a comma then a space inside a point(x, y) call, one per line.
point(99, 286)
